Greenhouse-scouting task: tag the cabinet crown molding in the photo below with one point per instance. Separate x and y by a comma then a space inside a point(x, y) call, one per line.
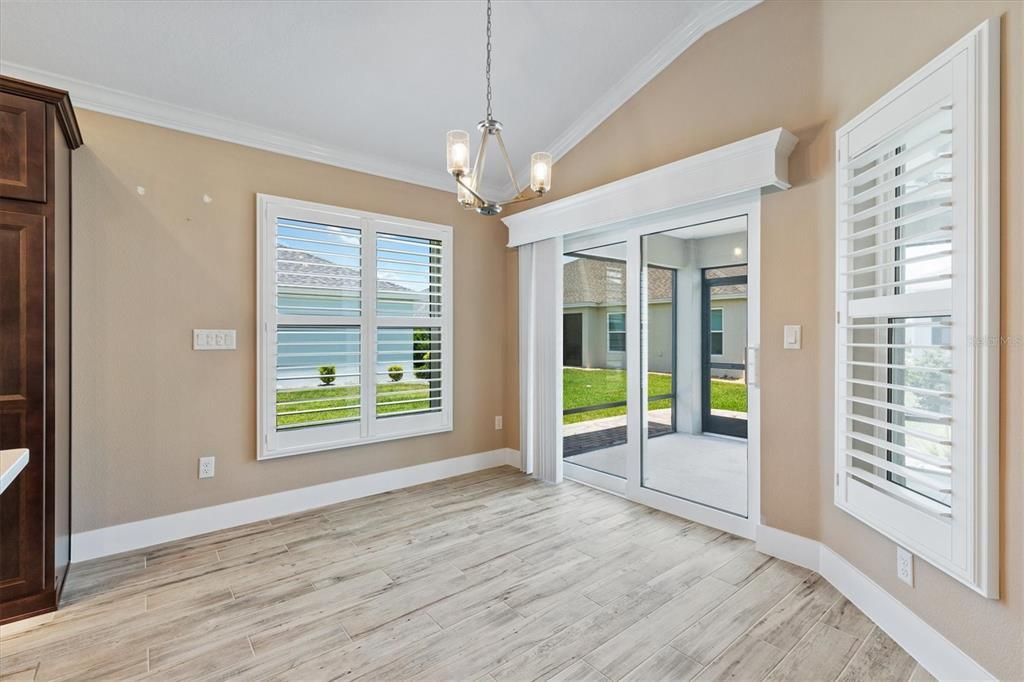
point(59, 98)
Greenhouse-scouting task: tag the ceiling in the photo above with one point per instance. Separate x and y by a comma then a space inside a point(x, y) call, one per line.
point(371, 86)
point(715, 228)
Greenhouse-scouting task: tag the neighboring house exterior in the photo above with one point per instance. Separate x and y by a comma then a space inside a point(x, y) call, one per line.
point(300, 273)
point(594, 307)
point(306, 281)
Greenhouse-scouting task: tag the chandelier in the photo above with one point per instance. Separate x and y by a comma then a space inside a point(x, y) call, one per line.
point(468, 181)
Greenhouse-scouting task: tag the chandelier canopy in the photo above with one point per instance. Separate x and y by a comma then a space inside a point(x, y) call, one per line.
point(469, 180)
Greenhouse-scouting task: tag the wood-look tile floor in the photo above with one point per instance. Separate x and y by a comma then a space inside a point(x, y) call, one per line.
point(489, 576)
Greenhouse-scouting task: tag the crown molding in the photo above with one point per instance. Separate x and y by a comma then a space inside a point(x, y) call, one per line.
point(105, 100)
point(166, 115)
point(640, 75)
point(58, 98)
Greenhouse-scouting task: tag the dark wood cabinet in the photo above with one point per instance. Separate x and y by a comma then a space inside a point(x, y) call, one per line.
point(38, 131)
point(22, 148)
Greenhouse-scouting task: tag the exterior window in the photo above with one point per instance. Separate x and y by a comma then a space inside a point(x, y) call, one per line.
point(917, 278)
point(717, 331)
point(355, 336)
point(920, 359)
point(616, 332)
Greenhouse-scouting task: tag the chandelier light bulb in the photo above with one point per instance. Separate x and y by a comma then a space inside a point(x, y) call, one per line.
point(458, 152)
point(540, 172)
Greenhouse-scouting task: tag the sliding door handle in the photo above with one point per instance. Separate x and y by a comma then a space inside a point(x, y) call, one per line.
point(751, 358)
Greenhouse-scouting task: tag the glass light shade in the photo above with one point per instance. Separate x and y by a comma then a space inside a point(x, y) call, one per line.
point(540, 171)
point(464, 195)
point(458, 152)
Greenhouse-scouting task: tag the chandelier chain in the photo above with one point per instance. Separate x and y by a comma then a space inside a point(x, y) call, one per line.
point(468, 180)
point(489, 117)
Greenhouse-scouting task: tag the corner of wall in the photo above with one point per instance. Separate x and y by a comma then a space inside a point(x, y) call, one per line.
point(510, 374)
point(928, 646)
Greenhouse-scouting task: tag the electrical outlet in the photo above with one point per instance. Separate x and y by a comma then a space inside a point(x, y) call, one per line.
point(497, 423)
point(206, 467)
point(904, 565)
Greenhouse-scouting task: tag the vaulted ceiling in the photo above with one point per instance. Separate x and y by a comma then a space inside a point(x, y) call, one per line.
point(371, 86)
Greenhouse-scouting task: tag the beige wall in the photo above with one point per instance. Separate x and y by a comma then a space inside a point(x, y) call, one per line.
point(807, 66)
point(148, 269)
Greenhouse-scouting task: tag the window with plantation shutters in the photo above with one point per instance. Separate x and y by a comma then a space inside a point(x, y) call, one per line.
point(917, 287)
point(355, 327)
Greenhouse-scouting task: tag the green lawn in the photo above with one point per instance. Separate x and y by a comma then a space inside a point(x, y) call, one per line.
point(344, 397)
point(728, 395)
point(582, 387)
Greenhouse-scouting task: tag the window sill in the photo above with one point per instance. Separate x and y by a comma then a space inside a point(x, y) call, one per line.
point(264, 455)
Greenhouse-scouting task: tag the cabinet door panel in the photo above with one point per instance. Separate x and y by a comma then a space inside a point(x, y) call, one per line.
point(22, 148)
point(22, 357)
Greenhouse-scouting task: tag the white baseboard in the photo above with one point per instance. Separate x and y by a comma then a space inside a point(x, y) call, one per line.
point(933, 651)
point(101, 542)
point(796, 549)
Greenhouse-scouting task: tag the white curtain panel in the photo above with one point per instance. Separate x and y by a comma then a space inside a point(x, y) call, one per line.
point(540, 358)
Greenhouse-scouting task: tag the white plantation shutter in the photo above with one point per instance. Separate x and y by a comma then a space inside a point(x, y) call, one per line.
point(412, 332)
point(355, 327)
point(316, 350)
point(409, 276)
point(409, 357)
point(917, 295)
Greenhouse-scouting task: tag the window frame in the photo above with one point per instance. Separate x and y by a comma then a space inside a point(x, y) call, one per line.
point(369, 428)
point(712, 331)
point(609, 331)
point(965, 542)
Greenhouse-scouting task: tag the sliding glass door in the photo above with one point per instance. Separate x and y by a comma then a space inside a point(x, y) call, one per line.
point(700, 454)
point(594, 375)
point(659, 338)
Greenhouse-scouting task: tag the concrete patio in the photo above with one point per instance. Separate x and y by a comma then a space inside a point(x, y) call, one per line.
point(703, 468)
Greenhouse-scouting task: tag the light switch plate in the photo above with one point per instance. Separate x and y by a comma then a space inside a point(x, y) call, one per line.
point(791, 334)
point(213, 339)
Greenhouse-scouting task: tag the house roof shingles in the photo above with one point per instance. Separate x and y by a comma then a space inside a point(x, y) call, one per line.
point(598, 282)
point(305, 269)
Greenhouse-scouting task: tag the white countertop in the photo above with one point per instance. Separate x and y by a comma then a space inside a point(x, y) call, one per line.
point(11, 464)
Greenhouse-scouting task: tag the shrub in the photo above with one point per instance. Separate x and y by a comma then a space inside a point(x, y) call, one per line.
point(422, 342)
point(396, 372)
point(422, 368)
point(327, 373)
